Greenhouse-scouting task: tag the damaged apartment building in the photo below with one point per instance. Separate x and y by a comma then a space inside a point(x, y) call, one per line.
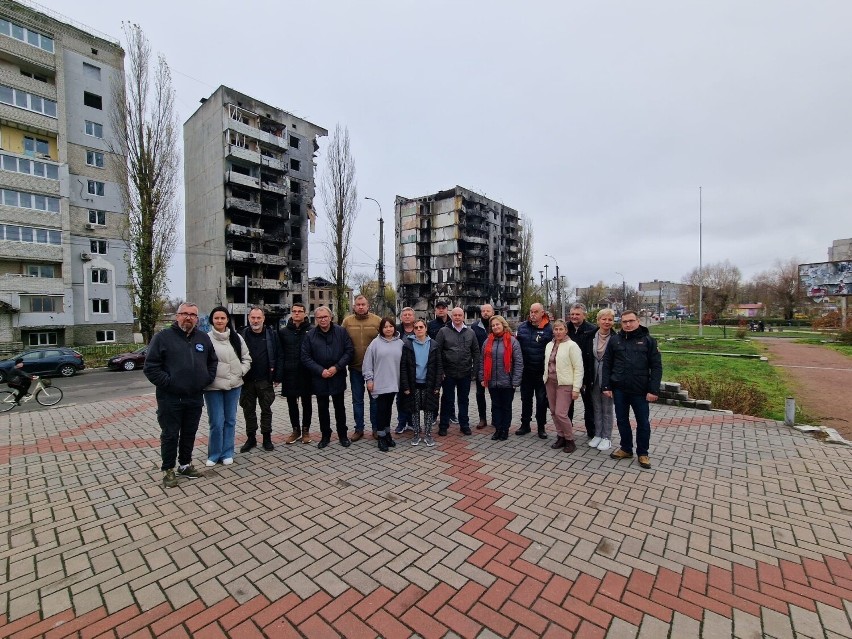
point(249, 180)
point(459, 246)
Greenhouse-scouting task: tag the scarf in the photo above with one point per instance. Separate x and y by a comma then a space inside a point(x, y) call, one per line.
point(489, 355)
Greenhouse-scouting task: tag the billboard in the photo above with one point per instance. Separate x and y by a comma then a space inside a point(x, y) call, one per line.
point(826, 279)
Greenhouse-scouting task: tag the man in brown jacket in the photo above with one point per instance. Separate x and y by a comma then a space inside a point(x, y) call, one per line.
point(362, 327)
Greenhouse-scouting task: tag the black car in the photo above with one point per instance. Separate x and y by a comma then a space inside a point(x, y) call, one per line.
point(55, 360)
point(128, 361)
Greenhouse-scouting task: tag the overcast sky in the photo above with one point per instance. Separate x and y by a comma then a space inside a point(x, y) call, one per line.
point(596, 120)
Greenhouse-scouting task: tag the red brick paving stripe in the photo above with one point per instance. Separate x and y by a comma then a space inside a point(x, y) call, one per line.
point(41, 627)
point(526, 633)
point(793, 572)
point(469, 594)
point(812, 593)
point(244, 611)
point(531, 570)
point(492, 619)
point(816, 569)
point(108, 623)
point(786, 595)
point(308, 607)
point(641, 583)
point(585, 587)
point(720, 578)
point(281, 629)
point(588, 630)
point(459, 623)
point(646, 605)
point(145, 619)
point(528, 591)
point(178, 632)
point(557, 615)
point(583, 610)
point(555, 632)
point(668, 581)
point(504, 572)
point(557, 589)
point(483, 555)
point(373, 602)
point(761, 600)
point(524, 616)
point(708, 603)
point(694, 580)
point(766, 573)
point(277, 609)
point(24, 622)
point(340, 605)
point(203, 619)
point(514, 538)
point(738, 603)
point(613, 585)
point(315, 627)
point(509, 554)
point(678, 604)
point(831, 589)
point(405, 600)
point(351, 627)
point(142, 633)
point(495, 525)
point(247, 630)
point(497, 594)
point(435, 598)
point(745, 576)
point(488, 538)
point(423, 624)
point(387, 626)
point(618, 609)
point(210, 631)
point(470, 527)
point(177, 617)
point(78, 623)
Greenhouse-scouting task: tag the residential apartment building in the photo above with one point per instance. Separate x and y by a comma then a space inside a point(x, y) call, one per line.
point(63, 275)
point(249, 180)
point(661, 295)
point(322, 294)
point(459, 246)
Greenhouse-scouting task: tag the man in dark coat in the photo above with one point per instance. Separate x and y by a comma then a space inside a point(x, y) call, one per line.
point(259, 383)
point(482, 329)
point(294, 377)
point(326, 351)
point(632, 372)
point(460, 353)
point(181, 363)
point(583, 333)
point(533, 335)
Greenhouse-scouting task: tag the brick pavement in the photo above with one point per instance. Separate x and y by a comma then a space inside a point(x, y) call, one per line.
point(742, 528)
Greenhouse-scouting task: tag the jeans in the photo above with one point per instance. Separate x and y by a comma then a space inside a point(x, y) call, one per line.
point(532, 385)
point(641, 411)
point(257, 392)
point(384, 408)
point(325, 416)
point(461, 386)
point(588, 411)
point(480, 402)
point(403, 418)
point(501, 408)
point(178, 418)
point(307, 412)
point(356, 379)
point(222, 417)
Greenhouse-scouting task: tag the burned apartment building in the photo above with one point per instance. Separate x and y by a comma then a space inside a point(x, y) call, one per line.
point(459, 246)
point(249, 180)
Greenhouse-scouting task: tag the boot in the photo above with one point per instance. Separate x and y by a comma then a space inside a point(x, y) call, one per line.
point(383, 443)
point(482, 424)
point(496, 436)
point(267, 441)
point(542, 434)
point(523, 430)
point(504, 435)
point(559, 443)
point(251, 442)
point(294, 437)
point(389, 440)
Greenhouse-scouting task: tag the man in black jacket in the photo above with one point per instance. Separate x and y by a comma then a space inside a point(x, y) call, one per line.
point(482, 329)
point(326, 351)
point(533, 336)
point(460, 358)
point(181, 363)
point(632, 372)
point(583, 333)
point(294, 377)
point(259, 383)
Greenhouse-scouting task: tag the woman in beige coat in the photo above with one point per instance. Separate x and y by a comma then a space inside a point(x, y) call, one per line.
point(223, 396)
point(563, 377)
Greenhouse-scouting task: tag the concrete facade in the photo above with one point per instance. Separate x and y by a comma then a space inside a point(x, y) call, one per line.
point(249, 179)
point(63, 274)
point(459, 246)
point(840, 250)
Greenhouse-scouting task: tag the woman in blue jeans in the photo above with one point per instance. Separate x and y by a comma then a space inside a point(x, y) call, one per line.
point(223, 396)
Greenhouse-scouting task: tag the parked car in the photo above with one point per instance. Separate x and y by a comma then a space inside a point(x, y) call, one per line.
point(46, 361)
point(128, 361)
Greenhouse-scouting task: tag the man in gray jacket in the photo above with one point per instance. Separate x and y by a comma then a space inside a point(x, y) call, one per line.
point(460, 356)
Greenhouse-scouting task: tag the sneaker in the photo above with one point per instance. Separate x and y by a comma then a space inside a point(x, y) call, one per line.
point(169, 479)
point(605, 444)
point(409, 427)
point(209, 463)
point(228, 461)
point(454, 421)
point(189, 471)
point(293, 438)
point(644, 461)
point(428, 441)
point(621, 454)
point(306, 438)
point(399, 430)
point(416, 441)
point(593, 443)
point(357, 435)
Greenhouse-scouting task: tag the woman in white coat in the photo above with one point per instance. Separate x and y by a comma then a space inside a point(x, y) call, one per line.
point(563, 378)
point(223, 396)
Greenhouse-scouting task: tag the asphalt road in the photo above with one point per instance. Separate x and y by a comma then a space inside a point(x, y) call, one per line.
point(94, 385)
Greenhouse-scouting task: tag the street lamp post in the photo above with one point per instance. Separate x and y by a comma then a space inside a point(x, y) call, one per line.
point(380, 296)
point(559, 301)
point(623, 292)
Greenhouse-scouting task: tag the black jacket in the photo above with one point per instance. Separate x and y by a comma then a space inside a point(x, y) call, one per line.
point(408, 380)
point(181, 365)
point(460, 352)
point(271, 350)
point(481, 333)
point(17, 378)
point(436, 325)
point(584, 336)
point(632, 363)
point(533, 341)
point(294, 377)
point(324, 350)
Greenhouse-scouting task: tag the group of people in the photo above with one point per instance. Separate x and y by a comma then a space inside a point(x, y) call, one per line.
point(426, 369)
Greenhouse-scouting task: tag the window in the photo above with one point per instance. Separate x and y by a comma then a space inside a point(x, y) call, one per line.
point(41, 270)
point(100, 276)
point(93, 100)
point(29, 36)
point(295, 164)
point(23, 200)
point(98, 246)
point(29, 235)
point(294, 142)
point(104, 336)
point(31, 167)
point(91, 71)
point(33, 146)
point(28, 101)
point(34, 76)
point(97, 217)
point(295, 187)
point(43, 339)
point(95, 158)
point(96, 188)
point(41, 304)
point(100, 306)
point(92, 128)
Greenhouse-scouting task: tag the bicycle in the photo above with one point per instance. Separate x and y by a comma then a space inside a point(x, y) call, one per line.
point(45, 393)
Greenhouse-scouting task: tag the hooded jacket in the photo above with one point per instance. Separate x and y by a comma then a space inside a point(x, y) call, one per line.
point(231, 368)
point(632, 363)
point(381, 364)
point(181, 365)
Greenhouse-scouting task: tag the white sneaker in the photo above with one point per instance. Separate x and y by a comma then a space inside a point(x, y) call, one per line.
point(593, 443)
point(604, 445)
point(210, 462)
point(429, 441)
point(228, 461)
point(416, 440)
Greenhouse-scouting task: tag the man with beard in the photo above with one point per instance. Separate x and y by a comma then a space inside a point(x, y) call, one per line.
point(482, 329)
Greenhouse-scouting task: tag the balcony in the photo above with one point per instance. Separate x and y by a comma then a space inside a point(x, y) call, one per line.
point(232, 177)
point(273, 163)
point(255, 258)
point(473, 238)
point(242, 205)
point(262, 136)
point(237, 152)
point(272, 187)
point(238, 309)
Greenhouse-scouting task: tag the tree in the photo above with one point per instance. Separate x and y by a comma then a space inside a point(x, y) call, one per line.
point(592, 295)
point(145, 148)
point(778, 288)
point(369, 288)
point(340, 196)
point(529, 291)
point(721, 285)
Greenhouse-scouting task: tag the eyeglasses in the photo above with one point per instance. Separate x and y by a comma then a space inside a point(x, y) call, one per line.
point(193, 315)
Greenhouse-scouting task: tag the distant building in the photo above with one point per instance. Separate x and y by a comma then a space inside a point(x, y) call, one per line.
point(663, 295)
point(63, 273)
point(840, 250)
point(459, 246)
point(321, 293)
point(748, 310)
point(249, 180)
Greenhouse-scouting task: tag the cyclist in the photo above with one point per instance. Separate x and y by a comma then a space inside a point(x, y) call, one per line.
point(19, 381)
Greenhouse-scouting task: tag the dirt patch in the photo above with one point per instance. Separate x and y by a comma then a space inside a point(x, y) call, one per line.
point(821, 379)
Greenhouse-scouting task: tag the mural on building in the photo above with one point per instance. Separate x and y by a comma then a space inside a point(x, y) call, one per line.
point(826, 279)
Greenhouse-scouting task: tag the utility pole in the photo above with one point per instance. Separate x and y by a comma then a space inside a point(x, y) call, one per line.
point(558, 284)
point(380, 295)
point(546, 288)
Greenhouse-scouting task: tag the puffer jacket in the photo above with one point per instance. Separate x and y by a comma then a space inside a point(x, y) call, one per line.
point(500, 378)
point(231, 368)
point(533, 339)
point(569, 364)
point(460, 351)
point(632, 363)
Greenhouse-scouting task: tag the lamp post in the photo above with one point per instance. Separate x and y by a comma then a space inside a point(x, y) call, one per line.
point(559, 301)
point(623, 292)
point(547, 287)
point(700, 271)
point(380, 295)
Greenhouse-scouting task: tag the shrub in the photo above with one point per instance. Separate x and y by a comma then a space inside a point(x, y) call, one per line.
point(741, 333)
point(726, 393)
point(845, 337)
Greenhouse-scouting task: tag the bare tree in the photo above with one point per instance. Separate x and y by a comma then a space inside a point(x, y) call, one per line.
point(777, 289)
point(721, 285)
point(529, 291)
point(340, 196)
point(144, 145)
